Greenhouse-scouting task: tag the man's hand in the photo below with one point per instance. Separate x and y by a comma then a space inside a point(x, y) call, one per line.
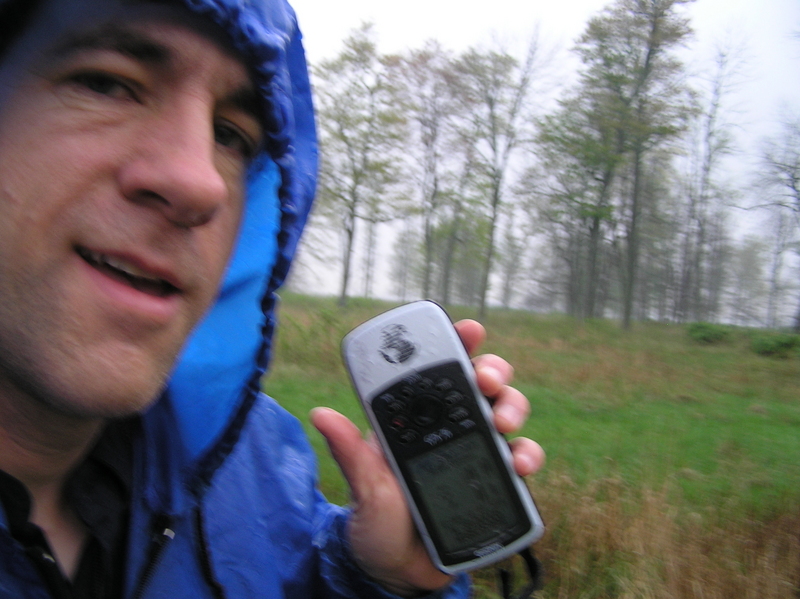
point(382, 534)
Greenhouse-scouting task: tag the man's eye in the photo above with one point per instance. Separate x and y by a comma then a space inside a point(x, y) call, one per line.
point(232, 137)
point(104, 84)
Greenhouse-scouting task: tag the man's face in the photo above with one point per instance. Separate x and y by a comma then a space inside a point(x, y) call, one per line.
point(125, 135)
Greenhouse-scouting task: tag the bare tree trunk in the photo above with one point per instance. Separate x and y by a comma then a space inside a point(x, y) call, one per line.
point(350, 230)
point(489, 258)
point(797, 320)
point(369, 258)
point(632, 258)
point(783, 232)
point(447, 267)
point(429, 216)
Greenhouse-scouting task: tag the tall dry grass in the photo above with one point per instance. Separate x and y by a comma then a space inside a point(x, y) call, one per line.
point(607, 540)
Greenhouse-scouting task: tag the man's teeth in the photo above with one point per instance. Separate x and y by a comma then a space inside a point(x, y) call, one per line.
point(128, 268)
point(121, 265)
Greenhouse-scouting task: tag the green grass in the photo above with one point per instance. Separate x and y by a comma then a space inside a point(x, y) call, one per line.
point(711, 431)
point(731, 447)
point(712, 451)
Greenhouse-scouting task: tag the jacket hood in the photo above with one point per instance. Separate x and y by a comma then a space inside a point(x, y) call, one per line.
point(222, 364)
point(218, 373)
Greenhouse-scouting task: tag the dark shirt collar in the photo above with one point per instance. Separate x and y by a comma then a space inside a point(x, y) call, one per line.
point(99, 491)
point(100, 487)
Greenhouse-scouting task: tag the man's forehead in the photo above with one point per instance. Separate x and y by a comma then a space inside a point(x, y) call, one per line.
point(113, 36)
point(60, 25)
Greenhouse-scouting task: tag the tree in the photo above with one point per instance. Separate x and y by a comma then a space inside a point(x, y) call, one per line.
point(783, 232)
point(462, 209)
point(710, 141)
point(598, 151)
point(780, 175)
point(580, 149)
point(513, 245)
point(491, 88)
point(425, 95)
point(748, 290)
point(360, 131)
point(405, 262)
point(629, 65)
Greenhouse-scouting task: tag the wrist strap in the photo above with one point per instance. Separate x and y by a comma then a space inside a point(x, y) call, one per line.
point(535, 573)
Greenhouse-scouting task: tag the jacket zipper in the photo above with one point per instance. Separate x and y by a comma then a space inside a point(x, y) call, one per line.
point(205, 558)
point(160, 537)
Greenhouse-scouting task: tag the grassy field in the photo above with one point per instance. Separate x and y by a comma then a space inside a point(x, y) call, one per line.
point(673, 466)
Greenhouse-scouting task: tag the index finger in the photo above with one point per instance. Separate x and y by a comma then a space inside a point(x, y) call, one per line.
point(472, 334)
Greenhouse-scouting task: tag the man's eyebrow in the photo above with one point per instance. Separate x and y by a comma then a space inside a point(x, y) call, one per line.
point(116, 39)
point(247, 100)
point(143, 48)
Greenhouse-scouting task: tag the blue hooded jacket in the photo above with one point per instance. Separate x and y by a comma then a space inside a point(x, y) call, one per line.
point(224, 499)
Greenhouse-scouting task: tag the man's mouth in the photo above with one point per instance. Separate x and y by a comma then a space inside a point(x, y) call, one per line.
point(127, 273)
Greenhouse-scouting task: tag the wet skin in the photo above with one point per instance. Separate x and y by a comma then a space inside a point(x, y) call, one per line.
point(123, 152)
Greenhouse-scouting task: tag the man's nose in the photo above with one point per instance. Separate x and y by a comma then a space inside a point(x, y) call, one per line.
point(173, 167)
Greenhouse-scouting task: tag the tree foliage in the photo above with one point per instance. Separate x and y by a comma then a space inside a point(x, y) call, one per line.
point(616, 202)
point(780, 178)
point(598, 149)
point(361, 130)
point(492, 88)
point(421, 76)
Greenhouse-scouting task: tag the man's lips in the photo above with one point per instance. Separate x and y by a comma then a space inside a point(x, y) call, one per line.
point(128, 273)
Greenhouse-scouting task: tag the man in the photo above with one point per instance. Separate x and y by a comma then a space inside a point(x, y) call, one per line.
point(140, 142)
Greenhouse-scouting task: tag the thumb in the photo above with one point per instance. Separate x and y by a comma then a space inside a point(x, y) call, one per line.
point(384, 541)
point(361, 463)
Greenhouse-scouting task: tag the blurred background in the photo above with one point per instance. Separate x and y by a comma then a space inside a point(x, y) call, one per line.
point(613, 188)
point(626, 160)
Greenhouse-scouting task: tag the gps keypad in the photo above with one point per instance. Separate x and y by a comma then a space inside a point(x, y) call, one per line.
point(426, 408)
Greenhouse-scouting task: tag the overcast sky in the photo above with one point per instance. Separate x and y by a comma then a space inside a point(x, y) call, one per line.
point(770, 30)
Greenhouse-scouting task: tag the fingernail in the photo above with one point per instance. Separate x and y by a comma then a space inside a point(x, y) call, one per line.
point(511, 415)
point(525, 464)
point(494, 373)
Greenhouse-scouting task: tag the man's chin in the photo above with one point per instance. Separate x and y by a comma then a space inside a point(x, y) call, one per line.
point(99, 402)
point(108, 408)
